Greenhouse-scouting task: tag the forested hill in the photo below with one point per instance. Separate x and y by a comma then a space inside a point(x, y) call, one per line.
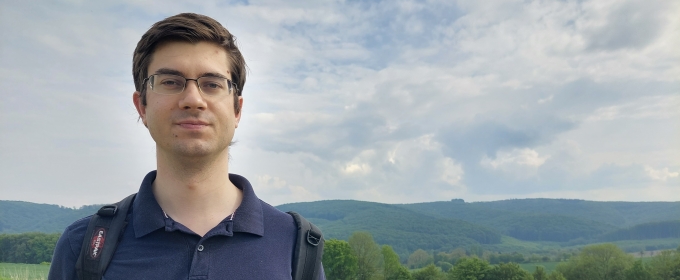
point(404, 229)
point(558, 220)
point(617, 214)
point(436, 226)
point(656, 230)
point(20, 216)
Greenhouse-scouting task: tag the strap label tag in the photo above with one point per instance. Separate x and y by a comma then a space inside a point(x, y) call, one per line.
point(97, 243)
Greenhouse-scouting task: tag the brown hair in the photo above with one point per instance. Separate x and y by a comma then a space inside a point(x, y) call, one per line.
point(193, 28)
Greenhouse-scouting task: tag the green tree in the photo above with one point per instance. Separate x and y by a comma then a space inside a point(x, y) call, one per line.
point(445, 266)
point(469, 269)
point(450, 257)
point(339, 262)
point(539, 273)
point(556, 275)
point(597, 262)
point(32, 247)
point(392, 268)
point(638, 272)
point(419, 258)
point(369, 255)
point(664, 265)
point(508, 271)
point(429, 272)
point(476, 250)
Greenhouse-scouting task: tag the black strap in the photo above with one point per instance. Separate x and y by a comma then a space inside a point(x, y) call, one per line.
point(308, 249)
point(101, 239)
point(105, 227)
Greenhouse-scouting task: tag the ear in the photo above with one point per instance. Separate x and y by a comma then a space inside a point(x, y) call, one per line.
point(240, 109)
point(141, 109)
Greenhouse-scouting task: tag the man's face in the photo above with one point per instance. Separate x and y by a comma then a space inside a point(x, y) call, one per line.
point(189, 124)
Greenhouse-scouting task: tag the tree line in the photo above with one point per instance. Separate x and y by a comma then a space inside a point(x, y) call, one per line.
point(33, 247)
point(362, 258)
point(24, 217)
point(655, 230)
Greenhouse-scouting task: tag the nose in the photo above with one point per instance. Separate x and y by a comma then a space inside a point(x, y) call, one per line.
point(192, 97)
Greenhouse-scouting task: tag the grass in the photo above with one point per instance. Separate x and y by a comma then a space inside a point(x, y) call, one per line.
point(634, 246)
point(509, 245)
point(22, 271)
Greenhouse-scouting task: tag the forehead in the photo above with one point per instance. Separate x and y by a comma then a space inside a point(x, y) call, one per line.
point(190, 59)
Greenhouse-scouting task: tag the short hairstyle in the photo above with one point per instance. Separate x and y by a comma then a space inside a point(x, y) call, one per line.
point(193, 28)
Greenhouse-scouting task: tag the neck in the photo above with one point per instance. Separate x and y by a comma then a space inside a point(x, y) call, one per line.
point(196, 191)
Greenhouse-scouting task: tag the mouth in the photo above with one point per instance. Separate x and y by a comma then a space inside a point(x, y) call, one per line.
point(192, 124)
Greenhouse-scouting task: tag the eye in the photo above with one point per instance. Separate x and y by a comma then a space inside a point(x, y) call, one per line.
point(212, 85)
point(170, 83)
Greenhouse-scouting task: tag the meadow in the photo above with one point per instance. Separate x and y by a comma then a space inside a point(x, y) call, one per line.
point(21, 271)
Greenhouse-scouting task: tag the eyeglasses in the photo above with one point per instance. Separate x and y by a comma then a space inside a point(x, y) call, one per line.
point(174, 84)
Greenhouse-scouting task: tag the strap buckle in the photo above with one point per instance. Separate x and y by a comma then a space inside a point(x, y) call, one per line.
point(108, 210)
point(313, 238)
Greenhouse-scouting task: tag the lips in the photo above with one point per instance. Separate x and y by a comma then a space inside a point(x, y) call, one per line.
point(192, 124)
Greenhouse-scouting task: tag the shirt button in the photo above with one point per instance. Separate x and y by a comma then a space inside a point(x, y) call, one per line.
point(200, 248)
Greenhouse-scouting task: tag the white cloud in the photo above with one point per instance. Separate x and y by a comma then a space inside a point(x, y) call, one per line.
point(270, 185)
point(660, 174)
point(647, 107)
point(268, 182)
point(299, 193)
point(359, 165)
point(391, 101)
point(545, 100)
point(452, 173)
point(354, 168)
point(516, 158)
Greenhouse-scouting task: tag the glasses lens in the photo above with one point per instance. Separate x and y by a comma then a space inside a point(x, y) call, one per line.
point(167, 84)
point(214, 85)
point(174, 84)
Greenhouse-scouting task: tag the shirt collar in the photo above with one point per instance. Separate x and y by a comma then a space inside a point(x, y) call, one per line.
point(148, 215)
point(248, 216)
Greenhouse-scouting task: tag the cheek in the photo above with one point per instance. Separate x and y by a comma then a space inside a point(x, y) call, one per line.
point(155, 117)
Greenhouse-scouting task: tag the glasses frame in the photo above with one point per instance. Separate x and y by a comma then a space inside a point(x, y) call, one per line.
point(231, 84)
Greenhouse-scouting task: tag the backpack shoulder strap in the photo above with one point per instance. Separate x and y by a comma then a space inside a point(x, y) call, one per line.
point(308, 249)
point(101, 238)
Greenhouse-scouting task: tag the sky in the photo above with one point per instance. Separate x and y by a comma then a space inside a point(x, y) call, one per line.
point(385, 101)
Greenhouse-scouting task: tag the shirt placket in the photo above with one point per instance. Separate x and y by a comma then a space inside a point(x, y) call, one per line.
point(200, 264)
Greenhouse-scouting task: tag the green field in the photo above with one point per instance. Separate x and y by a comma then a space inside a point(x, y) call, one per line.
point(21, 271)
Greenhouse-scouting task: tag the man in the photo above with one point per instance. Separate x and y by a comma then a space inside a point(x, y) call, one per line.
point(191, 219)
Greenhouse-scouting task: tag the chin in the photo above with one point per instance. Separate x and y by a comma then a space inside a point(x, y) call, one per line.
point(198, 149)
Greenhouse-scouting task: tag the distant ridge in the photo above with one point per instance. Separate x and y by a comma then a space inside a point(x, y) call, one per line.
point(434, 226)
point(404, 229)
point(558, 220)
point(21, 216)
point(654, 230)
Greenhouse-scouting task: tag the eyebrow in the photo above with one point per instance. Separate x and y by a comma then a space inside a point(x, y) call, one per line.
point(180, 73)
point(169, 71)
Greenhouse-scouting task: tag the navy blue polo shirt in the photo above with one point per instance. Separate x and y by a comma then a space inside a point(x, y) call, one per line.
point(257, 242)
